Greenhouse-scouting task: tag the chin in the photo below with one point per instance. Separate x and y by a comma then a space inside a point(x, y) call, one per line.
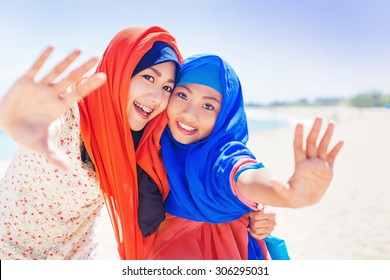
point(136, 127)
point(182, 141)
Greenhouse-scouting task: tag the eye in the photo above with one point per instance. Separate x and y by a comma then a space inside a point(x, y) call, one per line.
point(182, 95)
point(168, 89)
point(208, 106)
point(149, 78)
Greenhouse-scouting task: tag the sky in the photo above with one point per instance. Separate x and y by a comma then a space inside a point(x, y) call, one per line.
point(281, 50)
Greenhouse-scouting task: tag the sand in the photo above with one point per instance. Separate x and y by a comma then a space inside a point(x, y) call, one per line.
point(353, 219)
point(352, 222)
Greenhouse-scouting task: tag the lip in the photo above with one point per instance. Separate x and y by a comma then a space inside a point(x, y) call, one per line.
point(142, 113)
point(184, 130)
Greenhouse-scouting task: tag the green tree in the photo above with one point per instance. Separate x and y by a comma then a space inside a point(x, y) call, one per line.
point(369, 99)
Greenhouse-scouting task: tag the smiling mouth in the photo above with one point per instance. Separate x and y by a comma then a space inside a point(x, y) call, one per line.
point(142, 109)
point(186, 128)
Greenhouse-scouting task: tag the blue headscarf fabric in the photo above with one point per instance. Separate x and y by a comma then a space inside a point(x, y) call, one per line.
point(197, 75)
point(199, 173)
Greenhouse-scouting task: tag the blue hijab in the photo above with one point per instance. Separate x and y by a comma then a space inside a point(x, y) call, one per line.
point(199, 173)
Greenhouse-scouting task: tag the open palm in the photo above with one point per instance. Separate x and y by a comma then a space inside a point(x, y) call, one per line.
point(30, 106)
point(313, 165)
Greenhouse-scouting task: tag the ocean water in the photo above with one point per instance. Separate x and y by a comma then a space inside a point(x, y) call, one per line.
point(256, 125)
point(262, 120)
point(257, 121)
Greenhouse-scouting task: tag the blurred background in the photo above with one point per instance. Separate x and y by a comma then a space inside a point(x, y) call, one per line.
point(295, 59)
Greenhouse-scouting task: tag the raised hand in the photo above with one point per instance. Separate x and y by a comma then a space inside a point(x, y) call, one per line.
point(261, 223)
point(30, 106)
point(313, 165)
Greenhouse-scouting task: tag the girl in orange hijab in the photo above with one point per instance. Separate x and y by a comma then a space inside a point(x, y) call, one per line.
point(48, 213)
point(132, 100)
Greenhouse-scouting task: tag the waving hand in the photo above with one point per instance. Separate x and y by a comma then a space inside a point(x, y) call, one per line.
point(30, 106)
point(313, 165)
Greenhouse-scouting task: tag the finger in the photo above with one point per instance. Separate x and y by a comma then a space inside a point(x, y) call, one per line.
point(258, 219)
point(311, 141)
point(266, 217)
point(32, 72)
point(323, 146)
point(75, 75)
point(258, 215)
point(260, 223)
point(299, 154)
point(264, 223)
point(89, 85)
point(259, 227)
point(334, 152)
point(258, 236)
point(60, 67)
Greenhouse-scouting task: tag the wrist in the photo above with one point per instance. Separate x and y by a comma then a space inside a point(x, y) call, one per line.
point(285, 193)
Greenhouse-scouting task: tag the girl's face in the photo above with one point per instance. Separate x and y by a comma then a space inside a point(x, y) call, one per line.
point(192, 111)
point(149, 93)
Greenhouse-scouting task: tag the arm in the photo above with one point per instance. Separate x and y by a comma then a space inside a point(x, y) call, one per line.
point(310, 180)
point(30, 106)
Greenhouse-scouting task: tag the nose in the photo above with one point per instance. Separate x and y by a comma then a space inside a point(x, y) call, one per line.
point(190, 112)
point(156, 96)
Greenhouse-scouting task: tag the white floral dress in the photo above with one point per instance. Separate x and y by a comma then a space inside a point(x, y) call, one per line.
point(46, 213)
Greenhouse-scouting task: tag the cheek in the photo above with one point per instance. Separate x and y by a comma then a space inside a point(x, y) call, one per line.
point(171, 107)
point(210, 123)
point(129, 95)
point(165, 101)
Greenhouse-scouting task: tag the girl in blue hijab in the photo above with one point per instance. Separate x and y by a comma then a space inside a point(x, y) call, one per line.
point(214, 178)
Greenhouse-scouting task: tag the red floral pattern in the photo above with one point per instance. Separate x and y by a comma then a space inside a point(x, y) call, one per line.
point(46, 213)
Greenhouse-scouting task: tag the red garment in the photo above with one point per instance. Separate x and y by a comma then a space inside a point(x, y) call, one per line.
point(108, 140)
point(182, 239)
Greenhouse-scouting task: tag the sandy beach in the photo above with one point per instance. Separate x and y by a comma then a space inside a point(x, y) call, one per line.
point(352, 222)
point(353, 219)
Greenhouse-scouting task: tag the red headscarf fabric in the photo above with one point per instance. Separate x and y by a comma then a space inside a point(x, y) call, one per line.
point(108, 140)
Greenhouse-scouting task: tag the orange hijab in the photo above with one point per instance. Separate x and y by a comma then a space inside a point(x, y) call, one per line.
point(108, 140)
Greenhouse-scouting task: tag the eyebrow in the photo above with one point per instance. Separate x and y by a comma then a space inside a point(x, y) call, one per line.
point(205, 97)
point(212, 98)
point(158, 73)
point(187, 88)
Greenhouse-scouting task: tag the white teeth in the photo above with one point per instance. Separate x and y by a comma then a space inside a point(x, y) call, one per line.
point(186, 127)
point(143, 107)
